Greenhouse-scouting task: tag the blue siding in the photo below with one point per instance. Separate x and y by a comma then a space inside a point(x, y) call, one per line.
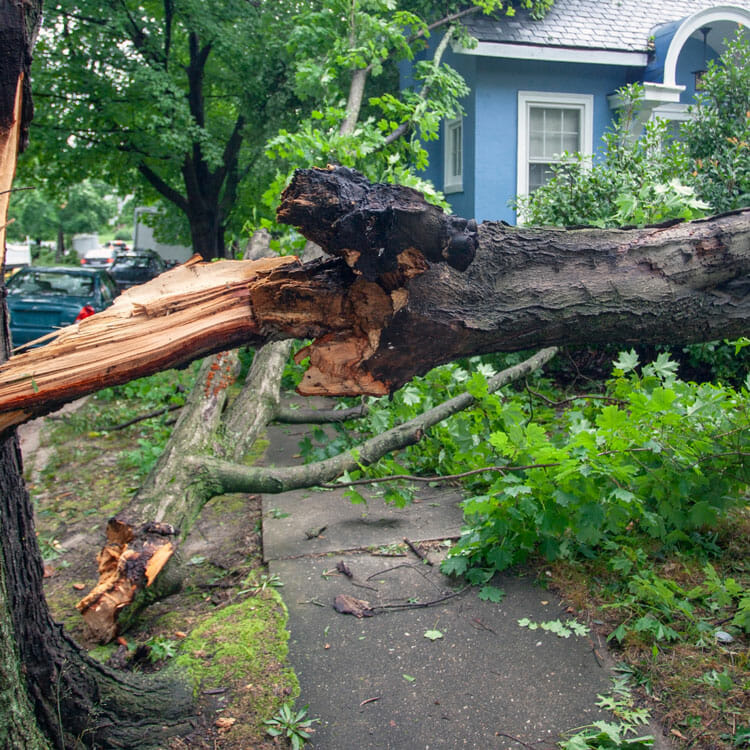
point(497, 83)
point(691, 59)
point(490, 127)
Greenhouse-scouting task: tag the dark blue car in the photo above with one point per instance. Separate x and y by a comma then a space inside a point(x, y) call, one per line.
point(43, 299)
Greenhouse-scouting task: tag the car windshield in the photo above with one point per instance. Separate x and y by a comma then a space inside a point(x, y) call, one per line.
point(49, 282)
point(132, 261)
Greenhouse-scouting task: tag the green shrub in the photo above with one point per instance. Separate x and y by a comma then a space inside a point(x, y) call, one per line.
point(658, 456)
point(718, 137)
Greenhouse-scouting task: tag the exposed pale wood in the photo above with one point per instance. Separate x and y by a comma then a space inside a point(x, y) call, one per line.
point(9, 138)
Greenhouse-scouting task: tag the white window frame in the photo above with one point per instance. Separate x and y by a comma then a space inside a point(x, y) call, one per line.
point(527, 99)
point(452, 183)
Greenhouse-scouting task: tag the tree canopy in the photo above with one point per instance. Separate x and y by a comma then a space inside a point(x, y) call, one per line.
point(182, 95)
point(178, 99)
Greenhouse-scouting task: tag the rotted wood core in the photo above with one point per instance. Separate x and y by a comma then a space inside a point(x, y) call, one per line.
point(131, 558)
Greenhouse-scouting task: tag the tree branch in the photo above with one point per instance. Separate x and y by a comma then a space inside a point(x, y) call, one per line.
point(230, 477)
point(404, 127)
point(319, 416)
point(161, 186)
point(394, 302)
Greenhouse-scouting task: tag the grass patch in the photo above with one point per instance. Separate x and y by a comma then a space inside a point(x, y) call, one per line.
point(667, 619)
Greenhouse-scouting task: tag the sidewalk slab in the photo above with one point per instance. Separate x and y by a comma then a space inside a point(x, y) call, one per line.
point(377, 683)
point(291, 521)
point(485, 682)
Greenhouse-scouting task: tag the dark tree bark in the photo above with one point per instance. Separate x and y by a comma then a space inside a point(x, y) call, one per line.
point(75, 700)
point(407, 288)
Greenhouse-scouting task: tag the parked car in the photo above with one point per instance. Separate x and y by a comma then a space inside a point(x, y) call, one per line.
point(100, 257)
point(119, 246)
point(42, 299)
point(136, 267)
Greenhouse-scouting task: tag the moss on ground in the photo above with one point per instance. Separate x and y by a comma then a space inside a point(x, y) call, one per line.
point(243, 648)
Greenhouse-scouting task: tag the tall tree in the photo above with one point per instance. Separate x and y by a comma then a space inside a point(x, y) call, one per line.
point(181, 94)
point(18, 27)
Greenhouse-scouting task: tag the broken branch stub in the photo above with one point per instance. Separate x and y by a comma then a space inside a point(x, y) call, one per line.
point(371, 225)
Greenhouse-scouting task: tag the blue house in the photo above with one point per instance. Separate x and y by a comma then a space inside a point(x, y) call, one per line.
point(539, 88)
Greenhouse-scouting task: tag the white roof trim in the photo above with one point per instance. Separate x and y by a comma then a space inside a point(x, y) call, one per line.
point(654, 94)
point(555, 54)
point(692, 24)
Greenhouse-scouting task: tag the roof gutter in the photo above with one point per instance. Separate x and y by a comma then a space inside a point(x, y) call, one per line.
point(555, 54)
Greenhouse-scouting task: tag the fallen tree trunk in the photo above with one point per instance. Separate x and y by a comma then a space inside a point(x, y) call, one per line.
point(408, 288)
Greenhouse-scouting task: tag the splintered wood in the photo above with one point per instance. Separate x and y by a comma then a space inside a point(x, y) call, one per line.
point(191, 310)
point(130, 558)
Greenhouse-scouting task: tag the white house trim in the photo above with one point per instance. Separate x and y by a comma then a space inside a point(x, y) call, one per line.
point(527, 99)
point(453, 175)
point(692, 24)
point(655, 97)
point(674, 112)
point(555, 54)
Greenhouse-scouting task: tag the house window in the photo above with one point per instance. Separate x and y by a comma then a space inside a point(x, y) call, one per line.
point(453, 157)
point(550, 124)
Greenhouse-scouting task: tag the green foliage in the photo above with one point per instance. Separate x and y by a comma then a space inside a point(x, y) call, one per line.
point(627, 720)
point(328, 45)
point(145, 395)
point(661, 455)
point(718, 136)
point(294, 725)
point(558, 628)
point(160, 648)
point(637, 181)
point(168, 99)
point(85, 207)
point(654, 177)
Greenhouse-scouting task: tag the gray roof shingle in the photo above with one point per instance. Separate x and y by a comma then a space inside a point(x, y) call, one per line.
point(621, 25)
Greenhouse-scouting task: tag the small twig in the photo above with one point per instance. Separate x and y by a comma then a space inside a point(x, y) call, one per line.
point(515, 739)
point(580, 396)
point(421, 555)
point(156, 413)
point(363, 585)
point(422, 605)
point(388, 570)
point(435, 478)
point(481, 626)
point(701, 733)
point(17, 189)
point(369, 700)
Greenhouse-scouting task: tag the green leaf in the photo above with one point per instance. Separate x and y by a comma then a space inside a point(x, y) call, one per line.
point(432, 635)
point(408, 677)
point(491, 594)
point(626, 362)
point(454, 565)
point(556, 627)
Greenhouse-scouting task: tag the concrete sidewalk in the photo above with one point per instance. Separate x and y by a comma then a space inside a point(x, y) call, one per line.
point(377, 682)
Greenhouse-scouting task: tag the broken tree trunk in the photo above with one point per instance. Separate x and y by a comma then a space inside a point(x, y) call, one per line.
point(140, 562)
point(408, 288)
